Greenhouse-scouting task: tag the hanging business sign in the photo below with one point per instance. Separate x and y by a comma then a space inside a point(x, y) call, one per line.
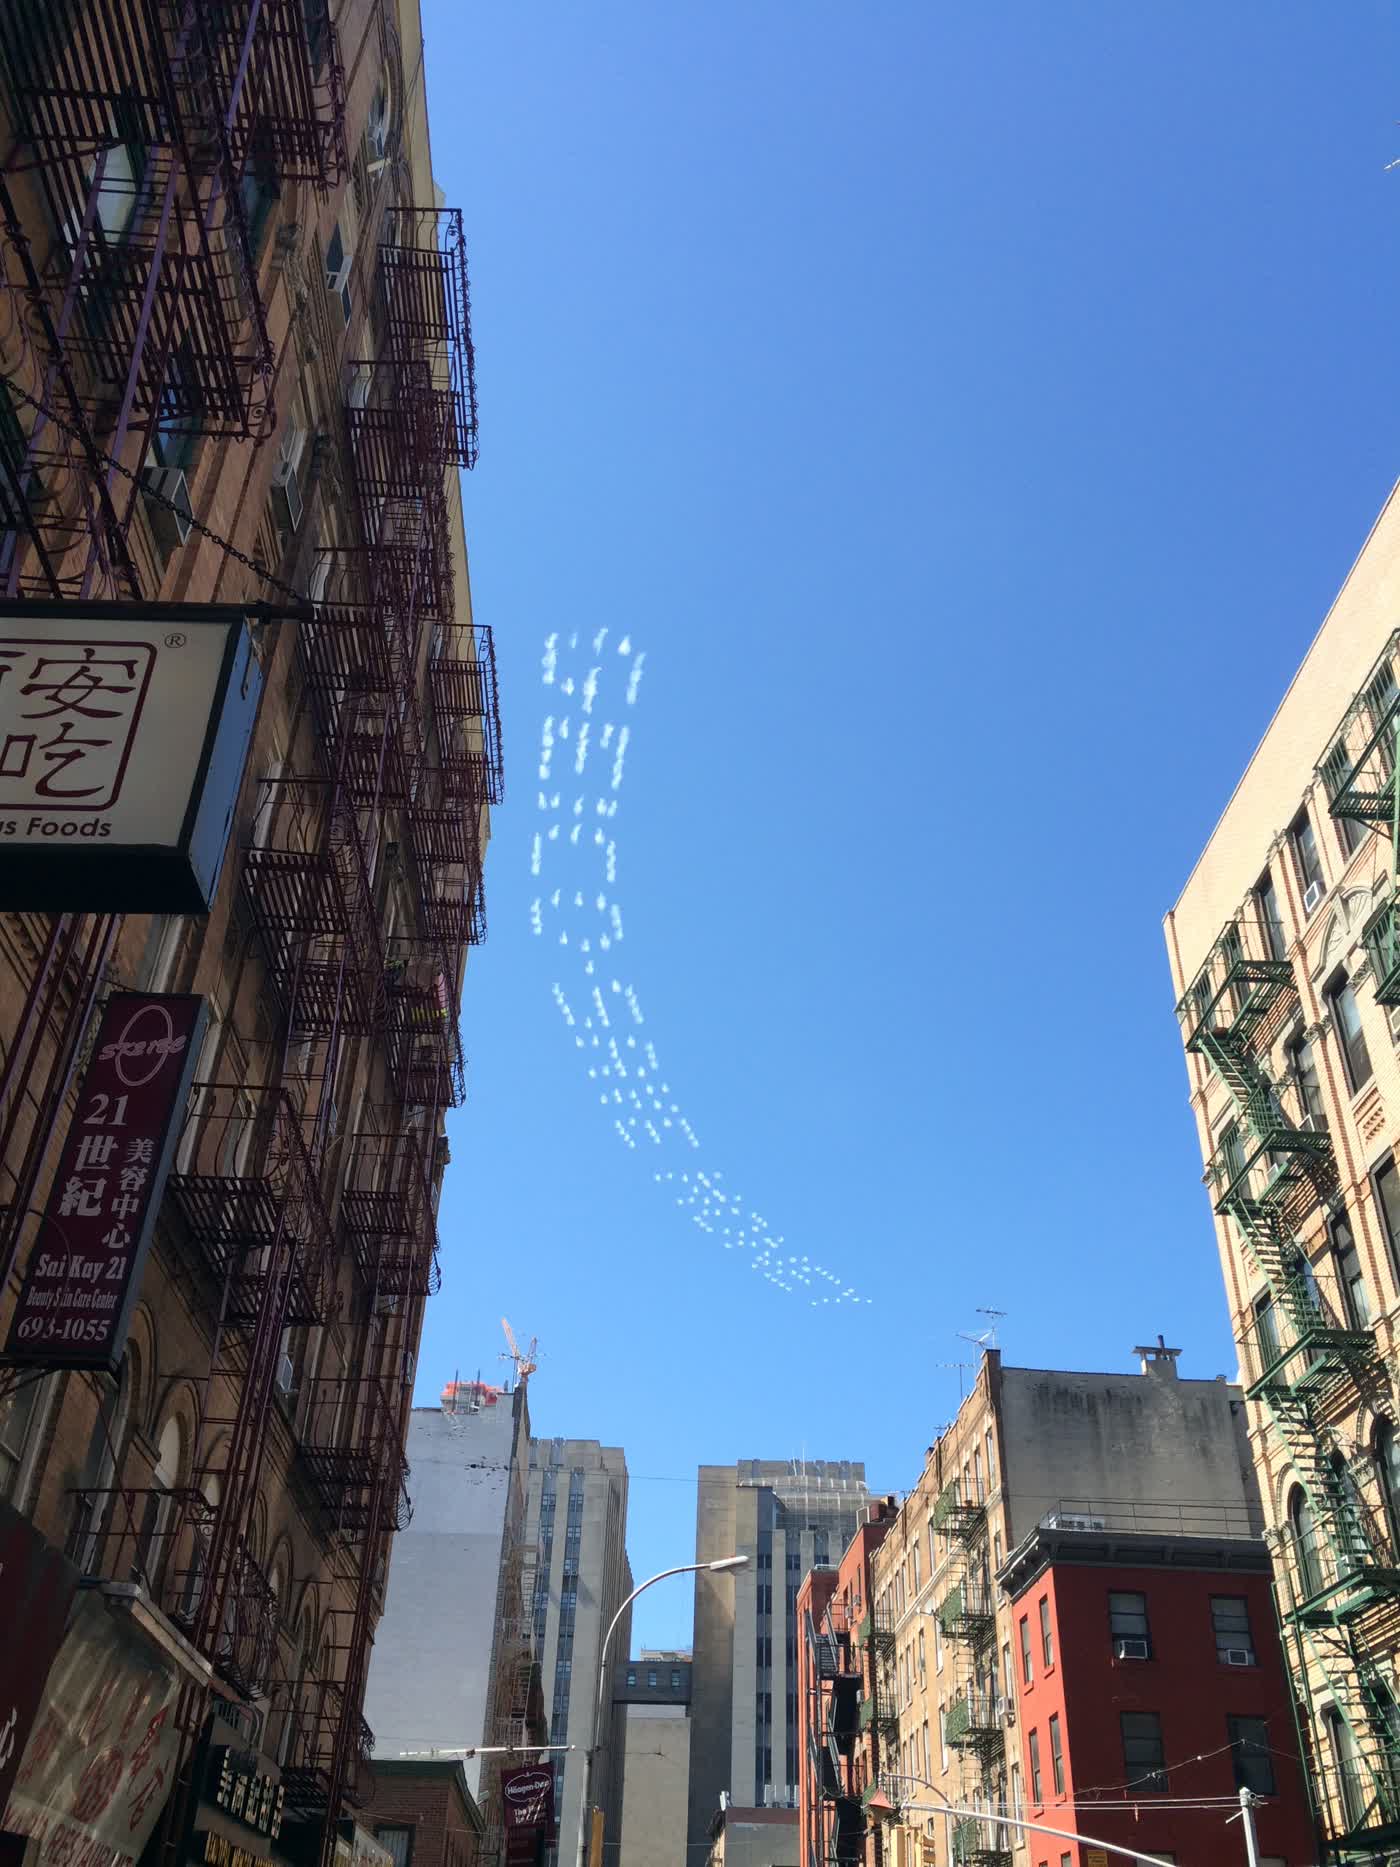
point(527, 1797)
point(84, 1270)
point(100, 1760)
point(123, 734)
point(37, 1583)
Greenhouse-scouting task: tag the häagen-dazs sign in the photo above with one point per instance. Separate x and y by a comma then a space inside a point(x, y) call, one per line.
point(123, 733)
point(84, 1269)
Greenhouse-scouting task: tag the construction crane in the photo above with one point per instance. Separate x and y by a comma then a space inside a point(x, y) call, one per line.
point(525, 1364)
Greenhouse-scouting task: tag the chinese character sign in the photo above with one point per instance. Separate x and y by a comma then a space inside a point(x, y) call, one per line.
point(99, 1762)
point(527, 1796)
point(83, 1273)
point(121, 736)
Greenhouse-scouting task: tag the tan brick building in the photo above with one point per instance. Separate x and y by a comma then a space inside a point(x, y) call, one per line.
point(238, 370)
point(1283, 953)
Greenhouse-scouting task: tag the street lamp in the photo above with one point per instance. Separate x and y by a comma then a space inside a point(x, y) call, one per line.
point(718, 1567)
point(881, 1804)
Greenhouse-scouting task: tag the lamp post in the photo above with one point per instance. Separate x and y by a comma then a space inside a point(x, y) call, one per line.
point(880, 1804)
point(721, 1566)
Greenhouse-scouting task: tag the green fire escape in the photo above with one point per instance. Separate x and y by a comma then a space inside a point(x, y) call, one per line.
point(975, 1721)
point(1310, 1359)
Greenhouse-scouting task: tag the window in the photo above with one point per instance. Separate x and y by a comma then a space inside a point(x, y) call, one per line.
point(17, 1415)
point(1351, 1279)
point(1027, 1664)
point(1249, 1751)
point(1142, 1749)
point(923, 1665)
point(1271, 921)
point(1057, 1761)
point(675, 1681)
point(1016, 1804)
point(651, 1678)
point(1304, 1536)
point(340, 256)
point(1036, 1795)
point(991, 1463)
point(399, 1842)
point(1234, 1644)
point(1266, 1330)
point(1008, 1677)
point(1302, 1059)
point(631, 1677)
point(1127, 1626)
point(943, 1738)
point(1348, 1770)
point(1387, 1457)
point(1305, 856)
point(928, 1754)
point(937, 1646)
point(1347, 1016)
point(1047, 1639)
point(1385, 1186)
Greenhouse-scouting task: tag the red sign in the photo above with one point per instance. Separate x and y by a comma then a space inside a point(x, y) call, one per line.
point(527, 1795)
point(100, 1761)
point(84, 1270)
point(36, 1590)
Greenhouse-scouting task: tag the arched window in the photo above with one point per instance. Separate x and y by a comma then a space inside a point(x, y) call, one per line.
point(1304, 1533)
point(156, 1511)
point(101, 1472)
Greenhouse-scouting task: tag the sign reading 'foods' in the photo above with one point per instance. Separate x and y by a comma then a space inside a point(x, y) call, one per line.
point(123, 733)
point(84, 1269)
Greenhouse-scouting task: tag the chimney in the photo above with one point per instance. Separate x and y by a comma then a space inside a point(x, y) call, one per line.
point(1157, 1359)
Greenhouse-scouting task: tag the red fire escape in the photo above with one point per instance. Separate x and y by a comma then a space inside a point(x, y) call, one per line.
point(140, 128)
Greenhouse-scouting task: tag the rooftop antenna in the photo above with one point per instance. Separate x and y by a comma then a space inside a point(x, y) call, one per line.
point(962, 1367)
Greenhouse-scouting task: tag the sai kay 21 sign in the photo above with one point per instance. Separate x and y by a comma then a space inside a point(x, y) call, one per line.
point(84, 1269)
point(124, 729)
point(527, 1795)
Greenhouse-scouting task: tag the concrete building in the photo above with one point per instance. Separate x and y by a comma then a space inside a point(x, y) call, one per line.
point(741, 1837)
point(784, 1515)
point(653, 1691)
point(452, 1666)
point(1284, 947)
point(578, 1576)
point(236, 377)
point(1028, 1447)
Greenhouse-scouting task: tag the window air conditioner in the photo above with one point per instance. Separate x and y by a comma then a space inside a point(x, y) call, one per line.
point(286, 1375)
point(1130, 1649)
point(1238, 1656)
point(168, 509)
point(286, 496)
point(1312, 897)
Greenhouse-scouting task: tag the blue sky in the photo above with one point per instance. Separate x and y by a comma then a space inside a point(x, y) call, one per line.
point(970, 411)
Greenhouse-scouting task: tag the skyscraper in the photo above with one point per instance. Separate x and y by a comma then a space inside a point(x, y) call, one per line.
point(784, 1515)
point(576, 1536)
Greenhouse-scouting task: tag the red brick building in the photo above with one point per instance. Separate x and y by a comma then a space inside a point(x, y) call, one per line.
point(1149, 1672)
point(838, 1749)
point(424, 1814)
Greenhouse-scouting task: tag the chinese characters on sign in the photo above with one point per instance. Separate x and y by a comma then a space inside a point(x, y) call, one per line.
point(82, 1277)
point(237, 1786)
point(527, 1795)
point(123, 734)
point(71, 723)
point(97, 1768)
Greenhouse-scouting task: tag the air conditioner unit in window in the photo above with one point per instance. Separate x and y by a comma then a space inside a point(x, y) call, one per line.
point(1238, 1656)
point(286, 496)
point(1314, 894)
point(168, 509)
point(1125, 1649)
point(286, 1375)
